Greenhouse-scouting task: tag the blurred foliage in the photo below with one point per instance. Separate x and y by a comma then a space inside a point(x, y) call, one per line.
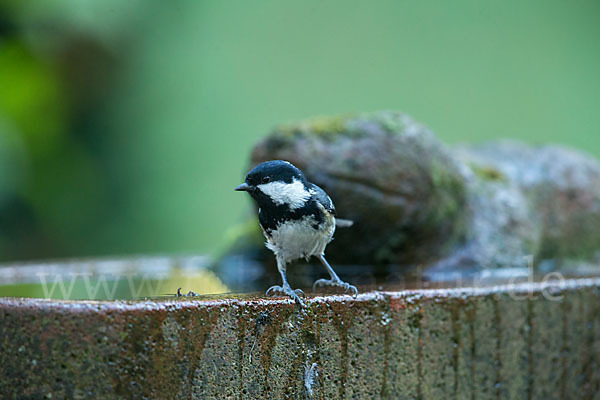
point(124, 126)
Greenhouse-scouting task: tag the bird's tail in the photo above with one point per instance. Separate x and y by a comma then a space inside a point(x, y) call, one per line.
point(343, 223)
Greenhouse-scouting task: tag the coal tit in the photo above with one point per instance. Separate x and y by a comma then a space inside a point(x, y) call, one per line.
point(297, 218)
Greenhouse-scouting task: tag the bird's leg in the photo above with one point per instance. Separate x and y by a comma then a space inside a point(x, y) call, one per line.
point(335, 280)
point(285, 288)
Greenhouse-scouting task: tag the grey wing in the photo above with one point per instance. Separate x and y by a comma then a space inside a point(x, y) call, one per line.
point(323, 198)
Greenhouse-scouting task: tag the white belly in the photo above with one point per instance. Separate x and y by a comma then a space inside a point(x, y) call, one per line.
point(299, 239)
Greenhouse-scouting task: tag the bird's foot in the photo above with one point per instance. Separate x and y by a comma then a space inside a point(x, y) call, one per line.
point(336, 282)
point(189, 294)
point(286, 290)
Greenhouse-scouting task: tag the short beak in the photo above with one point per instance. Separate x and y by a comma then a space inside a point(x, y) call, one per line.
point(244, 187)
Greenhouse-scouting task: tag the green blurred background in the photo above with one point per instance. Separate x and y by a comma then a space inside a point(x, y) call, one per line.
point(124, 125)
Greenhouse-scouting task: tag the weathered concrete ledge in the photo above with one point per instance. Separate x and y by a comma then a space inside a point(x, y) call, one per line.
point(420, 344)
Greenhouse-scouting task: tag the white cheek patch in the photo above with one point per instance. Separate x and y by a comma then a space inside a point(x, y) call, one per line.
point(293, 194)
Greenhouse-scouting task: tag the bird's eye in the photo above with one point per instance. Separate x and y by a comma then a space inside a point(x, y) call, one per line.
point(265, 179)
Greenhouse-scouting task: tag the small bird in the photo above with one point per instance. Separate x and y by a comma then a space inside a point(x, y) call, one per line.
point(297, 218)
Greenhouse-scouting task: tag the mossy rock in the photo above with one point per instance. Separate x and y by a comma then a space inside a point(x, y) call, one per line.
point(388, 174)
point(416, 202)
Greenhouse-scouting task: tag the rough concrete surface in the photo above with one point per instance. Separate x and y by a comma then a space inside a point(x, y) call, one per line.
point(468, 343)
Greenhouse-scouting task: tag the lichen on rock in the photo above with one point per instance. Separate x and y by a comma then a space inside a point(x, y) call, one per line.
point(387, 173)
point(561, 190)
point(417, 202)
